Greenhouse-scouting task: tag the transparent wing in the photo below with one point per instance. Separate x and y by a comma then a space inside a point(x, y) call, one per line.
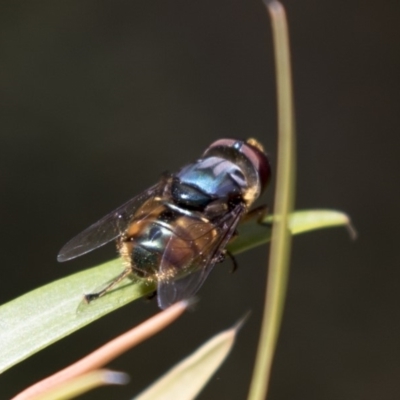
point(109, 227)
point(191, 257)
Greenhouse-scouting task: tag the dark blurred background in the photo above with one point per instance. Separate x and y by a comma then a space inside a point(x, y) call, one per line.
point(99, 98)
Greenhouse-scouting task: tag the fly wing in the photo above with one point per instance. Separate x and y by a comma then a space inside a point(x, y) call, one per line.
point(109, 227)
point(191, 254)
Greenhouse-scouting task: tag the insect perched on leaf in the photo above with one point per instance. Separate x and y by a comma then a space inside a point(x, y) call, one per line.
point(174, 233)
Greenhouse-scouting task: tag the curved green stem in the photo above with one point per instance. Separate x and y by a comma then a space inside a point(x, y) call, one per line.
point(284, 195)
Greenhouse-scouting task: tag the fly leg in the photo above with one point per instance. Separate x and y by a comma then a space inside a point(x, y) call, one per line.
point(151, 295)
point(234, 262)
point(221, 257)
point(93, 296)
point(259, 214)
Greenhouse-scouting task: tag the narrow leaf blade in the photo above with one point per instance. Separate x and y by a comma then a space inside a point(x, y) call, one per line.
point(83, 383)
point(186, 379)
point(253, 233)
point(45, 315)
point(51, 312)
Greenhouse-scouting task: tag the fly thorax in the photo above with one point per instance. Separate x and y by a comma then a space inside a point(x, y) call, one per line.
point(207, 180)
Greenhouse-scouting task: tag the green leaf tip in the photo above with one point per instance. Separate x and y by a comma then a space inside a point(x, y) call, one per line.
point(253, 233)
point(187, 378)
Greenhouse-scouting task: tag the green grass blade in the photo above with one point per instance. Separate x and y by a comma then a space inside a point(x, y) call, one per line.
point(82, 384)
point(45, 315)
point(186, 379)
point(284, 195)
point(51, 312)
point(253, 233)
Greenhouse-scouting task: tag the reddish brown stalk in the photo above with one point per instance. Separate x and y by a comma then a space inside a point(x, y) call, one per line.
point(108, 352)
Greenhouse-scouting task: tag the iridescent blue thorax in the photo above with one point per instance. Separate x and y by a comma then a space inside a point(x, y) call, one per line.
point(207, 180)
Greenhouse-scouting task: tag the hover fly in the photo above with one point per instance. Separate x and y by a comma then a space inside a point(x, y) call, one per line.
point(173, 233)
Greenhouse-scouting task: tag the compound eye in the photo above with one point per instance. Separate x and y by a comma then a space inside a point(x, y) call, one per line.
point(224, 143)
point(255, 153)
